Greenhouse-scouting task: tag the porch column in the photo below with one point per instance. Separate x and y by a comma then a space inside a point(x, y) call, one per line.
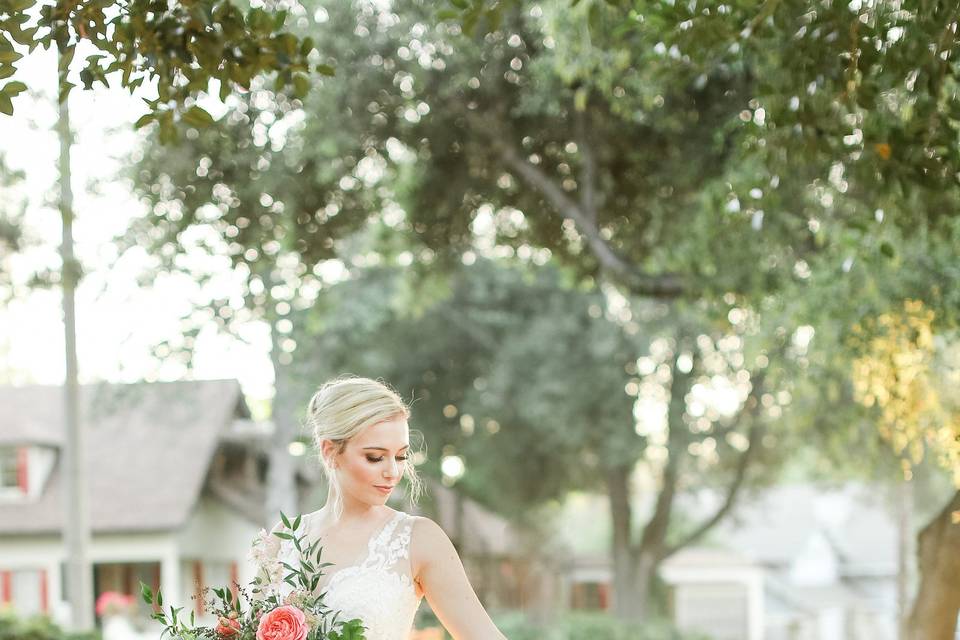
point(170, 582)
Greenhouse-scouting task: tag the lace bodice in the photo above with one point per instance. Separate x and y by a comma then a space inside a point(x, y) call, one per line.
point(379, 589)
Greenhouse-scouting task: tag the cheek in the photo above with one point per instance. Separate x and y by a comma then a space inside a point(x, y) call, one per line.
point(362, 470)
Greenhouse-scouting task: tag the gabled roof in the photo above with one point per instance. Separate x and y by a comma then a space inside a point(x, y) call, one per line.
point(774, 526)
point(147, 450)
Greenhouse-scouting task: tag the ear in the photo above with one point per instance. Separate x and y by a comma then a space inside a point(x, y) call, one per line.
point(329, 451)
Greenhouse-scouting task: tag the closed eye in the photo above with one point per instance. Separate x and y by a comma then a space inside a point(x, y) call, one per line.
point(380, 459)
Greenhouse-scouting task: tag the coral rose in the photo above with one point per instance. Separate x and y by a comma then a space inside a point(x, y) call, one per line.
point(283, 623)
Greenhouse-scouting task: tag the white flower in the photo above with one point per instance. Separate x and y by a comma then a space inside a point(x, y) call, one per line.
point(263, 554)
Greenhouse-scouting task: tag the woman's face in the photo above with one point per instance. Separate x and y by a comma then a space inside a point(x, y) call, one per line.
point(375, 458)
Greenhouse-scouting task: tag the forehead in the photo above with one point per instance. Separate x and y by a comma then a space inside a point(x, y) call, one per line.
point(390, 434)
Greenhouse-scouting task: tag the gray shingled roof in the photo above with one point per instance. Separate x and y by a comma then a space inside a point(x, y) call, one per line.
point(148, 448)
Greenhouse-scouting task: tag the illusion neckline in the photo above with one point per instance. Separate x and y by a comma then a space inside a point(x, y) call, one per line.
point(364, 555)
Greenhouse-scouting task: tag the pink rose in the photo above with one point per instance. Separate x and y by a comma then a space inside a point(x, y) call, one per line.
point(283, 623)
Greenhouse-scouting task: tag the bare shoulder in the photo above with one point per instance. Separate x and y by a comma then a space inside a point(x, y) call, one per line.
point(428, 541)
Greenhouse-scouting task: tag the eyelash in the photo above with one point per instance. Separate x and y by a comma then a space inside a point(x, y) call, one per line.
point(401, 459)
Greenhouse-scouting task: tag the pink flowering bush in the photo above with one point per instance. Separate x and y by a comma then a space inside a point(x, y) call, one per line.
point(300, 615)
point(113, 603)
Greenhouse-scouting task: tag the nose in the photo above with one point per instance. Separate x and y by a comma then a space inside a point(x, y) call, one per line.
point(392, 471)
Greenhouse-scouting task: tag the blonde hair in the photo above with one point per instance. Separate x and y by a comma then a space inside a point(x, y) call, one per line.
point(340, 410)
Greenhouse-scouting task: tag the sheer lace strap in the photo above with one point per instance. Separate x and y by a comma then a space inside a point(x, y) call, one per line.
point(391, 545)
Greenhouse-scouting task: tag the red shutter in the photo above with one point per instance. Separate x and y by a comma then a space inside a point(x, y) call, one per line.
point(6, 586)
point(44, 595)
point(156, 585)
point(604, 589)
point(22, 469)
point(198, 582)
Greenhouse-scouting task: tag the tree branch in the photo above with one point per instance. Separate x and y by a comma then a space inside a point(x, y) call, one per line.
point(754, 434)
point(667, 285)
point(588, 176)
point(655, 531)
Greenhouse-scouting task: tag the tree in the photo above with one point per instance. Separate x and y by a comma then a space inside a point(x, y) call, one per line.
point(244, 206)
point(181, 47)
point(869, 88)
point(628, 159)
point(907, 376)
point(536, 387)
point(11, 221)
point(76, 530)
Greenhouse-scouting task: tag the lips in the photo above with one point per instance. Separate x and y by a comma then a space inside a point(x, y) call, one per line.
point(384, 487)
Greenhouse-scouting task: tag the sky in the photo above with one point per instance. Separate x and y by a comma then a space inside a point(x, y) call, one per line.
point(118, 321)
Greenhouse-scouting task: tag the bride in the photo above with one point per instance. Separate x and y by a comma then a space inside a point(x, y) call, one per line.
point(384, 560)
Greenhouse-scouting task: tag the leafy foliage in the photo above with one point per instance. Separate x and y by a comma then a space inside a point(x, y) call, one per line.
point(179, 46)
point(870, 86)
point(37, 628)
point(907, 375)
point(589, 625)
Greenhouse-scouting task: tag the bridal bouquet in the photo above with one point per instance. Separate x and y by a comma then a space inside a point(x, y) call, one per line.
point(298, 615)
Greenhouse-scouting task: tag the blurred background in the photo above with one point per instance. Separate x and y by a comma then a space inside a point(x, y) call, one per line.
point(671, 288)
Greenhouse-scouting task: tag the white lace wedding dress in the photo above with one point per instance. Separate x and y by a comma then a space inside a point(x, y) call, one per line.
point(379, 589)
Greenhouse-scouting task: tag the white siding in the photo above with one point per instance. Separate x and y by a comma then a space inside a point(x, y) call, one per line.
point(718, 609)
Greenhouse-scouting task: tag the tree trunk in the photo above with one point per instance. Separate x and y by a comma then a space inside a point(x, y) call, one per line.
point(76, 529)
point(935, 610)
point(625, 596)
point(281, 471)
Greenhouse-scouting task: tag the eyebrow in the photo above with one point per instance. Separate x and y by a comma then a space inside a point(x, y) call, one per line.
point(385, 449)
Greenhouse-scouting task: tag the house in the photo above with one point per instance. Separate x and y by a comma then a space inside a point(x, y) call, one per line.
point(826, 558)
point(792, 562)
point(176, 479)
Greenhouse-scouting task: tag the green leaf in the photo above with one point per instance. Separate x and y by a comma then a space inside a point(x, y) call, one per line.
point(10, 56)
point(6, 105)
point(887, 249)
point(65, 88)
point(146, 593)
point(7, 70)
point(301, 85)
point(306, 46)
point(13, 88)
point(285, 521)
point(159, 598)
point(326, 70)
point(296, 523)
point(198, 117)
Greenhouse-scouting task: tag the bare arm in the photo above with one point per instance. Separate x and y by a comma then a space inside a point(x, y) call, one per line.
point(444, 582)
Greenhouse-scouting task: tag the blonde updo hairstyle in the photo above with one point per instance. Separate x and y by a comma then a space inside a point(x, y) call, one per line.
point(341, 409)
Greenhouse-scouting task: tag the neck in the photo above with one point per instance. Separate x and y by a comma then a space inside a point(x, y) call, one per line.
point(353, 510)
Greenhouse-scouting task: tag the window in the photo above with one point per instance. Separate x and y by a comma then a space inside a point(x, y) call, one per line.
point(590, 596)
point(25, 590)
point(9, 471)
